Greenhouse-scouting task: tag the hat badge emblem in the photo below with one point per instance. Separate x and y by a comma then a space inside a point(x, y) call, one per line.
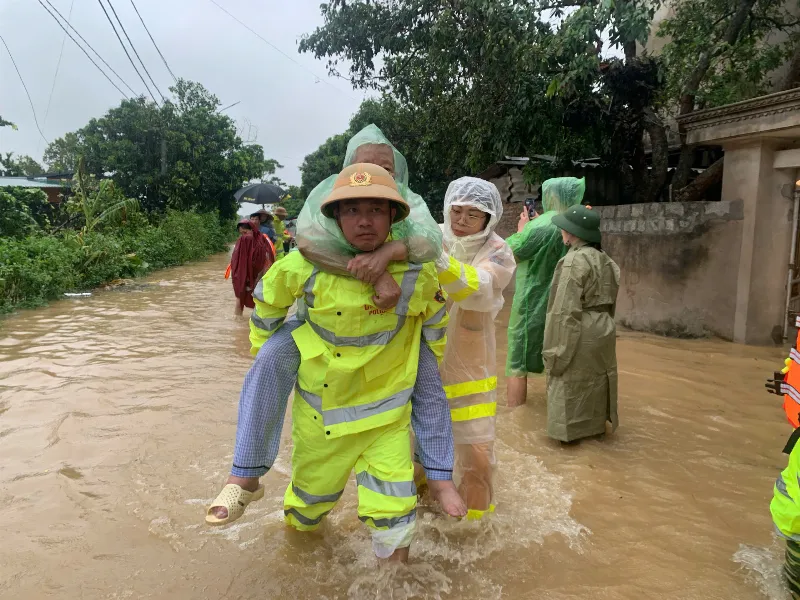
point(360, 178)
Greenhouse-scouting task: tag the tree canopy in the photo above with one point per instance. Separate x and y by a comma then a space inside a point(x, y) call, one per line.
point(183, 154)
point(474, 80)
point(22, 166)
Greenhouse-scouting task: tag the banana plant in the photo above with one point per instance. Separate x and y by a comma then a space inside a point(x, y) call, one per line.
point(99, 204)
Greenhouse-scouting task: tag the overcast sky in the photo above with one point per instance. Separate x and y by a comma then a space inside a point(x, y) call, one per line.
point(291, 111)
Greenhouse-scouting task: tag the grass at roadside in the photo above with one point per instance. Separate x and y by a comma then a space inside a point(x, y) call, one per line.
point(43, 267)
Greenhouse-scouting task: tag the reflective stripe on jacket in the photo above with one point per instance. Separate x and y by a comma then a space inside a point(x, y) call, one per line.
point(359, 363)
point(469, 368)
point(785, 505)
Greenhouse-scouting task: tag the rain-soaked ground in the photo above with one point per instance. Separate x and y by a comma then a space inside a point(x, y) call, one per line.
point(117, 417)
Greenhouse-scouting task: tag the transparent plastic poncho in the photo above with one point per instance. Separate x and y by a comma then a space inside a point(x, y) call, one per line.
point(469, 366)
point(320, 239)
point(537, 248)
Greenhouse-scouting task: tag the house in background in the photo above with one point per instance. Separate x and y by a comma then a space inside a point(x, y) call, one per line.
point(54, 188)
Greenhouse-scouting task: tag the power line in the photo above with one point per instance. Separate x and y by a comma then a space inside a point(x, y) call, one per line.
point(114, 27)
point(33, 110)
point(114, 10)
point(229, 106)
point(90, 47)
point(58, 66)
point(274, 47)
point(154, 42)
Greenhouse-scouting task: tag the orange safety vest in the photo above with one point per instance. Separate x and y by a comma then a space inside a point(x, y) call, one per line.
point(791, 384)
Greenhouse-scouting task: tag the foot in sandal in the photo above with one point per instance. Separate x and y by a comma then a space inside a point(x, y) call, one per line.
point(233, 499)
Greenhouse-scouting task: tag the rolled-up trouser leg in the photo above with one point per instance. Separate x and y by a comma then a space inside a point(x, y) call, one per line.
point(387, 496)
point(430, 417)
point(791, 568)
point(262, 404)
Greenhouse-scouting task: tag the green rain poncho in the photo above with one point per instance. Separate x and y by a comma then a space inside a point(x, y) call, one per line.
point(537, 248)
point(320, 239)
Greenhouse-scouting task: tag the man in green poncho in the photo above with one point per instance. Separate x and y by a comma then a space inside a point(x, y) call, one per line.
point(537, 247)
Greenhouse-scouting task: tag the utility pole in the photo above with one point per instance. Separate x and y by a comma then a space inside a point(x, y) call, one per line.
point(163, 156)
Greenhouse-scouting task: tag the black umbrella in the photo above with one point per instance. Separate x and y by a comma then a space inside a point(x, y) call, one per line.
point(260, 193)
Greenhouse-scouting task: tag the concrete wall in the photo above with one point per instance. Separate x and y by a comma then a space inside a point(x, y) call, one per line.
point(679, 264)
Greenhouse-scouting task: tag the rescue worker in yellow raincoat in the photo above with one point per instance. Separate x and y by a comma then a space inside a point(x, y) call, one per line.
point(280, 214)
point(475, 266)
point(321, 241)
point(785, 505)
point(357, 373)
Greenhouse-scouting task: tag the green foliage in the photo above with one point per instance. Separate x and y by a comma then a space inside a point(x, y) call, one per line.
point(737, 71)
point(98, 204)
point(34, 269)
point(22, 211)
point(537, 77)
point(496, 79)
point(62, 155)
point(4, 123)
point(203, 159)
point(39, 268)
point(324, 161)
point(294, 201)
point(182, 237)
point(24, 166)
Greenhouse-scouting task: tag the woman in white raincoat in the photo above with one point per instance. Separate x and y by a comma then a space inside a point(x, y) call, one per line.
point(475, 268)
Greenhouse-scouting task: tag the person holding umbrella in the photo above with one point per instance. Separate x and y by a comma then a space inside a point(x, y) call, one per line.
point(266, 224)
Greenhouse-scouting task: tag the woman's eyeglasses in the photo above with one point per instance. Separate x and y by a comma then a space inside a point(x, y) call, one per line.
point(467, 217)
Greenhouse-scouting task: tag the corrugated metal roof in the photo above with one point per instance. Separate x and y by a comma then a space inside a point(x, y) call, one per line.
point(30, 183)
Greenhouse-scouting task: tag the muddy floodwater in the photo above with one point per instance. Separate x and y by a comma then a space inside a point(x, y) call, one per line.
point(117, 420)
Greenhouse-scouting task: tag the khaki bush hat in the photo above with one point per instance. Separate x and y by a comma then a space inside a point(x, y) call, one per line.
point(264, 213)
point(367, 181)
point(281, 212)
point(580, 221)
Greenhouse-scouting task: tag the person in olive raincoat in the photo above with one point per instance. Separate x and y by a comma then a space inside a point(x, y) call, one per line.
point(537, 247)
point(580, 336)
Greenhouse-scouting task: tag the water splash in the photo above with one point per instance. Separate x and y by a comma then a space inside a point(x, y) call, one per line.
point(764, 568)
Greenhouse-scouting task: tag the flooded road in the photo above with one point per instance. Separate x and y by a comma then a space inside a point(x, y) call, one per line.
point(117, 420)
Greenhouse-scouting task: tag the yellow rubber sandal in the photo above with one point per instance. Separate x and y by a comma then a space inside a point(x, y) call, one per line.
point(235, 500)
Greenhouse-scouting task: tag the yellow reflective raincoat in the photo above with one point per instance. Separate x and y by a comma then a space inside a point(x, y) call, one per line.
point(280, 237)
point(474, 272)
point(357, 373)
point(355, 368)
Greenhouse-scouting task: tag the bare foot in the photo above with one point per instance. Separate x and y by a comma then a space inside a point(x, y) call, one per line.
point(400, 555)
point(249, 484)
point(446, 494)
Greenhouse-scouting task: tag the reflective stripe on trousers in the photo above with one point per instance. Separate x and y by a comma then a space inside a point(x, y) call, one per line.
point(398, 489)
point(468, 388)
